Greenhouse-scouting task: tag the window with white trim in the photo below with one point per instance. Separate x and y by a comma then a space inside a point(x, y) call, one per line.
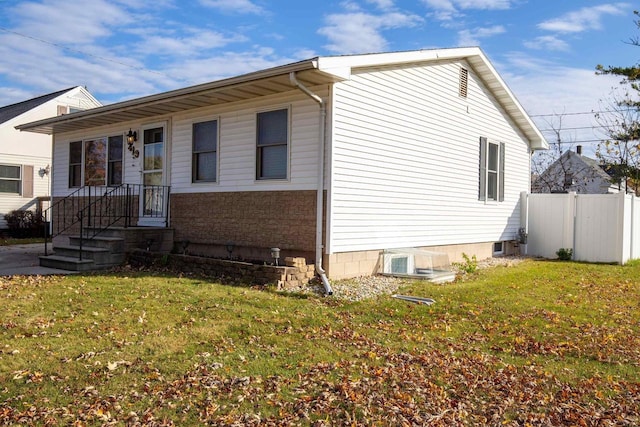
point(96, 162)
point(272, 144)
point(491, 186)
point(114, 161)
point(205, 151)
point(10, 179)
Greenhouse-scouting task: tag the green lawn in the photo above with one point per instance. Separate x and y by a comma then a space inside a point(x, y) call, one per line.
point(7, 241)
point(541, 343)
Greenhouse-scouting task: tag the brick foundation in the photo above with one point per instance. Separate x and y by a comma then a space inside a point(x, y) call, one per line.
point(253, 221)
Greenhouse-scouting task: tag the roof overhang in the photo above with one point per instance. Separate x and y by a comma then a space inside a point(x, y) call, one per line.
point(343, 66)
point(249, 86)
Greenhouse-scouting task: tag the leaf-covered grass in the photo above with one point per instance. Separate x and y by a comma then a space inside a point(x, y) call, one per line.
point(544, 343)
point(8, 241)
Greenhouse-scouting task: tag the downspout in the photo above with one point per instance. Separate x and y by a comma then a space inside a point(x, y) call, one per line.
point(320, 190)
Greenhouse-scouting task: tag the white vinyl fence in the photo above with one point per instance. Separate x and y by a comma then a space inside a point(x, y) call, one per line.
point(597, 227)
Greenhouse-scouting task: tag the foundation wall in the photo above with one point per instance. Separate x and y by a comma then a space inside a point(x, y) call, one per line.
point(250, 222)
point(353, 264)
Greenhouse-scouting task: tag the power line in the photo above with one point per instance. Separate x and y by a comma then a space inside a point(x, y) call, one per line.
point(87, 54)
point(580, 113)
point(576, 128)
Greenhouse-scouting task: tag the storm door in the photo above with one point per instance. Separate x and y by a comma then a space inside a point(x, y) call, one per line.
point(154, 194)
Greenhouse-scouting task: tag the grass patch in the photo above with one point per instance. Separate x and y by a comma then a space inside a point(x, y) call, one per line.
point(542, 342)
point(8, 241)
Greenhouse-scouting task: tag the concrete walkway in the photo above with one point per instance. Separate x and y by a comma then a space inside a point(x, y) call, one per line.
point(23, 260)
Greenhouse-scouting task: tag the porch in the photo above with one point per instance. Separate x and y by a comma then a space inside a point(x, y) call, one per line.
point(94, 227)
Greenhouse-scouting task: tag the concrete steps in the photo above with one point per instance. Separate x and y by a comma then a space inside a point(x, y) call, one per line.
point(107, 249)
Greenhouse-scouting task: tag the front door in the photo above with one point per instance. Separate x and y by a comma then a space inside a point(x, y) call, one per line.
point(154, 194)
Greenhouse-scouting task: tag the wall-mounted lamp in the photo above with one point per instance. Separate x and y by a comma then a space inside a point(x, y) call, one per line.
point(132, 137)
point(44, 171)
point(275, 254)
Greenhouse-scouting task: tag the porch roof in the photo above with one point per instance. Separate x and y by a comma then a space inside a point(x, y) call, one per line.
point(248, 86)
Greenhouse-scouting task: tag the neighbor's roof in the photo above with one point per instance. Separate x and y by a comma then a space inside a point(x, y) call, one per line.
point(310, 72)
point(14, 110)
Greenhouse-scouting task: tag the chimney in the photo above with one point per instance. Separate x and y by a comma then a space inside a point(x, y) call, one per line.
point(579, 149)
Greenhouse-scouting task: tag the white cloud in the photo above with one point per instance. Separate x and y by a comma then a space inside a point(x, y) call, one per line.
point(547, 43)
point(196, 43)
point(359, 32)
point(234, 6)
point(226, 65)
point(446, 10)
point(472, 38)
point(61, 21)
point(484, 4)
point(382, 4)
point(587, 18)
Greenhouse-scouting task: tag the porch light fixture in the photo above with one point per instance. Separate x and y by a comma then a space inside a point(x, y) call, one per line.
point(132, 137)
point(275, 254)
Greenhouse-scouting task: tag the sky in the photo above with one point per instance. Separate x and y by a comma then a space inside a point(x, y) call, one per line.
point(546, 51)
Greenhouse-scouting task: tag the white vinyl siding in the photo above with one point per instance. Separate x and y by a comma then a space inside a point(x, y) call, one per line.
point(236, 148)
point(40, 184)
point(237, 145)
point(131, 166)
point(405, 161)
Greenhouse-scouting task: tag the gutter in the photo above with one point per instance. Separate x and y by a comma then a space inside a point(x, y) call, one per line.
point(320, 191)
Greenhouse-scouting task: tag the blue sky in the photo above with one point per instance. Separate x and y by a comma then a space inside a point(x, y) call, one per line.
point(545, 50)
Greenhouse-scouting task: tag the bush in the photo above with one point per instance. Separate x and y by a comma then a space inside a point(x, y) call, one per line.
point(23, 223)
point(565, 254)
point(470, 264)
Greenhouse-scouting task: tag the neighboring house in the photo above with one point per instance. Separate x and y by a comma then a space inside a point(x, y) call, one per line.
point(573, 172)
point(332, 158)
point(25, 158)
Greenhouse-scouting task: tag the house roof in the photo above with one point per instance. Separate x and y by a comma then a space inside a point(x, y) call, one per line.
point(14, 110)
point(593, 164)
point(310, 72)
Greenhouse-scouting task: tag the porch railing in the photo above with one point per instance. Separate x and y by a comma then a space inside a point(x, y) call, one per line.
point(92, 210)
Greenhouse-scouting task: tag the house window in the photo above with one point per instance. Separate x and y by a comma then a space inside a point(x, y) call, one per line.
point(10, 179)
point(205, 151)
point(75, 164)
point(491, 171)
point(272, 140)
point(96, 162)
point(114, 166)
point(498, 248)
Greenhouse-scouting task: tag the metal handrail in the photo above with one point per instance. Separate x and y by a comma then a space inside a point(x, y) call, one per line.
point(99, 212)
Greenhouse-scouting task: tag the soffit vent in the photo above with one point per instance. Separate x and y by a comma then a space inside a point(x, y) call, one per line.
point(464, 78)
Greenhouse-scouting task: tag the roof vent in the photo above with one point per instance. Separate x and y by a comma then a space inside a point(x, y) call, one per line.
point(464, 78)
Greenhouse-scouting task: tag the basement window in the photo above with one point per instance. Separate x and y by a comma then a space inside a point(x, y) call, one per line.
point(464, 80)
point(498, 248)
point(417, 263)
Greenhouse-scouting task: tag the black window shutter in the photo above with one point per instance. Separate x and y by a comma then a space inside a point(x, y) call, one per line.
point(482, 188)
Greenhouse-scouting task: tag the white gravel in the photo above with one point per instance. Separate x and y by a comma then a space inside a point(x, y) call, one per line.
point(364, 287)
